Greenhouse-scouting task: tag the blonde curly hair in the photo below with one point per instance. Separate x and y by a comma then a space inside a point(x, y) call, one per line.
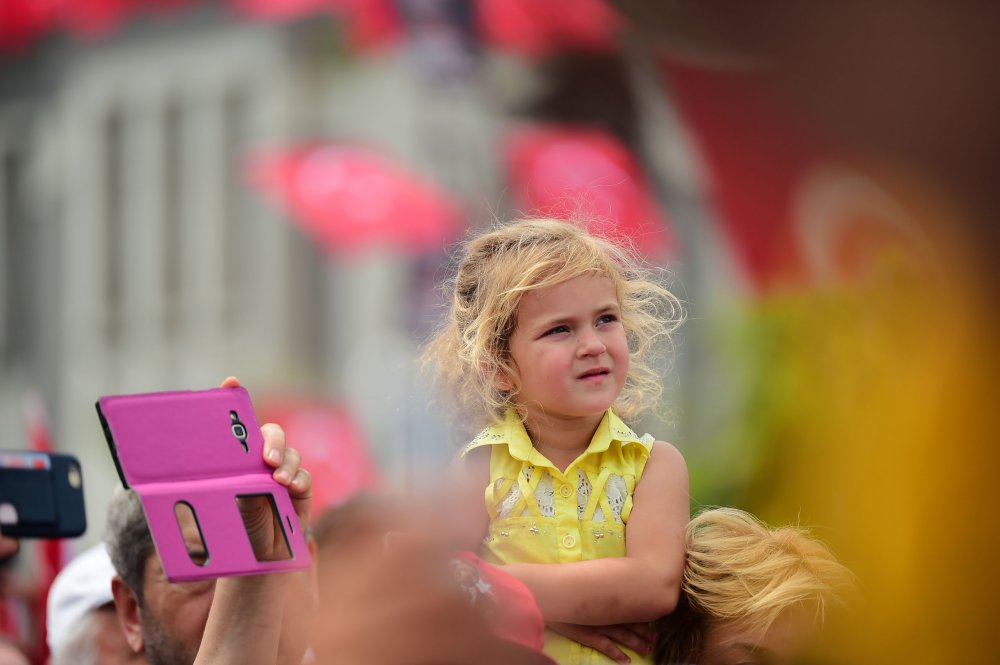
point(740, 570)
point(471, 351)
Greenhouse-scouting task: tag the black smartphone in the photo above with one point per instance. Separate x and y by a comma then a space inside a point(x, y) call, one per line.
point(41, 495)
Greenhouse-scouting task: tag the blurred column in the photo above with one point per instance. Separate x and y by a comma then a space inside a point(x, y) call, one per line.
point(142, 235)
point(201, 233)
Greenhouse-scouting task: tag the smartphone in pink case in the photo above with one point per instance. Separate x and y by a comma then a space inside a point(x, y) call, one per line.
point(191, 455)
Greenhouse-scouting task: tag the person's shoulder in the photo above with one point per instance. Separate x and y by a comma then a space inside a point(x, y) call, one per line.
point(666, 454)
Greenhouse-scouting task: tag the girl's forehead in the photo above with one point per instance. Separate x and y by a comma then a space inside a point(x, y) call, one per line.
point(579, 290)
point(559, 277)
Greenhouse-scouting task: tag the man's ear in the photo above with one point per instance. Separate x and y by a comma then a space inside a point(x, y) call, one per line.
point(127, 609)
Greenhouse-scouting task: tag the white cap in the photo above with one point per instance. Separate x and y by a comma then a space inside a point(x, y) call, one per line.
point(82, 585)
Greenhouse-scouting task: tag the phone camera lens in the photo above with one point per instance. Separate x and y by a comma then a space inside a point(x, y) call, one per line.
point(239, 430)
point(74, 478)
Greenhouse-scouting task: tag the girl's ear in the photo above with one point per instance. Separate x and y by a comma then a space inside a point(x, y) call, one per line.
point(503, 381)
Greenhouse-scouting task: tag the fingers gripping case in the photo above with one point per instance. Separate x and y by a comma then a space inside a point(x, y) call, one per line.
point(204, 449)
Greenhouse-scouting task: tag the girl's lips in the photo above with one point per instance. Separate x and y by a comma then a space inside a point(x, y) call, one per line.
point(595, 373)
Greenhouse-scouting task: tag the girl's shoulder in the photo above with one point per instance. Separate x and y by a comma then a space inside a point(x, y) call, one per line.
point(666, 458)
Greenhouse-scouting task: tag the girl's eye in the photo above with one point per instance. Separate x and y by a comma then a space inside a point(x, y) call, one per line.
point(606, 318)
point(555, 331)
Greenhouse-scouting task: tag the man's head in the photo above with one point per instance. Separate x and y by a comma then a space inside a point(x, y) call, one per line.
point(81, 626)
point(166, 620)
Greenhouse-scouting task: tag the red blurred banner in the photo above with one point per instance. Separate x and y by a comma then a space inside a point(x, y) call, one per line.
point(332, 446)
point(755, 153)
point(586, 174)
point(537, 28)
point(369, 23)
point(529, 27)
point(349, 197)
point(796, 209)
point(23, 21)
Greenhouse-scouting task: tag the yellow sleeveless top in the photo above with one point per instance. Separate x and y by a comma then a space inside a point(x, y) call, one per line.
point(539, 514)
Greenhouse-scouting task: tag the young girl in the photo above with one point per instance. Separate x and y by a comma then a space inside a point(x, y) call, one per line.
point(549, 338)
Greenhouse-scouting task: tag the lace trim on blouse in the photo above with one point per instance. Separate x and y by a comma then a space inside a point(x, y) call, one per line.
point(615, 489)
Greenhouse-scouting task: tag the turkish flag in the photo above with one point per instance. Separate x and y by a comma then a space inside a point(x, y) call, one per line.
point(350, 197)
point(797, 209)
point(586, 174)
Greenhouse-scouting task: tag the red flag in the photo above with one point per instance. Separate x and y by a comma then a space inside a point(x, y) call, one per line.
point(332, 446)
point(348, 197)
point(796, 208)
point(754, 151)
point(589, 174)
point(23, 21)
point(538, 28)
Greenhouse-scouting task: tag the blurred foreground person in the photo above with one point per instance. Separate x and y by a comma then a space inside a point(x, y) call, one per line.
point(10, 654)
point(751, 594)
point(81, 625)
point(391, 593)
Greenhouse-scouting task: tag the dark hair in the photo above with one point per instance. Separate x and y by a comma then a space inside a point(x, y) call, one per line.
point(128, 538)
point(680, 635)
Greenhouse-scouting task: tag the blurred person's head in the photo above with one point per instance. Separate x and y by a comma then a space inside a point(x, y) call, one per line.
point(165, 620)
point(81, 625)
point(751, 594)
point(383, 564)
point(340, 530)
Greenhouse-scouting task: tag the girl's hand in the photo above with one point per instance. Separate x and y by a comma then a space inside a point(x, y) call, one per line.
point(265, 535)
point(639, 637)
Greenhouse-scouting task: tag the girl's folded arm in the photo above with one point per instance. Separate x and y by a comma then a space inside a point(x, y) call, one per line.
point(641, 586)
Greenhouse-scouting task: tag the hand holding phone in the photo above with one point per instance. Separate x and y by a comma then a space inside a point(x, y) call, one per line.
point(196, 460)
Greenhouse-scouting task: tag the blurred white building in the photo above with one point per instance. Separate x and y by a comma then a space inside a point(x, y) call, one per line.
point(134, 258)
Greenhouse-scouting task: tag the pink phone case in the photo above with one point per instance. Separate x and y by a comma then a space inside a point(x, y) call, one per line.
point(203, 448)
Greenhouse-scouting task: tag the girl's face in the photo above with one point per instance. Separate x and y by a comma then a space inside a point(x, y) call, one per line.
point(569, 350)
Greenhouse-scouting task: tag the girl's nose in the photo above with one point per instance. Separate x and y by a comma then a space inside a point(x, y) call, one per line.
point(591, 344)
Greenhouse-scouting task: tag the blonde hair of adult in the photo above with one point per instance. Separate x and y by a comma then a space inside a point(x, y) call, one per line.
point(471, 351)
point(740, 570)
